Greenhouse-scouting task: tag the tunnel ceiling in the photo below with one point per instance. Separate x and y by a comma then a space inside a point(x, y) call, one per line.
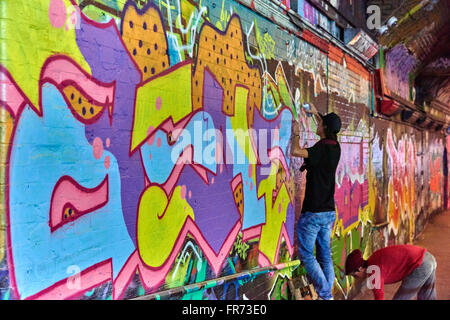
point(423, 28)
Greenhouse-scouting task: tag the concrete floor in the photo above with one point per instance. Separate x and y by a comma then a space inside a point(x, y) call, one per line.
point(436, 239)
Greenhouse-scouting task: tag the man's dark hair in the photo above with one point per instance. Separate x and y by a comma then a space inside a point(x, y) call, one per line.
point(332, 125)
point(329, 134)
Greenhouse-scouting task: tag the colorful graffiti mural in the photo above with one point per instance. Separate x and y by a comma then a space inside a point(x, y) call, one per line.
point(399, 64)
point(403, 191)
point(107, 102)
point(144, 148)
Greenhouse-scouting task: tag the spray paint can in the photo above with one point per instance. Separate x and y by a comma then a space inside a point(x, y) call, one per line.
point(307, 107)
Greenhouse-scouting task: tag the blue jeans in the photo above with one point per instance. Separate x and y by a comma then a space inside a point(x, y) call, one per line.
point(314, 229)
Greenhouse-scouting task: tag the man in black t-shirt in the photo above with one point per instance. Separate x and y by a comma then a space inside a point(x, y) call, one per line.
point(318, 210)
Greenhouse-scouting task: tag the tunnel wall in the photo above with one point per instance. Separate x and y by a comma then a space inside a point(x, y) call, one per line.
point(151, 152)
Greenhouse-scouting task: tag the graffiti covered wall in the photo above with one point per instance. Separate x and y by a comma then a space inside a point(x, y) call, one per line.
point(145, 147)
point(133, 162)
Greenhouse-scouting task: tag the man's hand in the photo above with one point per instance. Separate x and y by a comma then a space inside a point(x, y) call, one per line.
point(312, 110)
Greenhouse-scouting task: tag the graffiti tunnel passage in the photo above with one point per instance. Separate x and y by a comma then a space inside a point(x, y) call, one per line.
point(146, 147)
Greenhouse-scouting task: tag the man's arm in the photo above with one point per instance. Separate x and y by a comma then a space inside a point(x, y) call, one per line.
point(358, 287)
point(315, 114)
point(296, 151)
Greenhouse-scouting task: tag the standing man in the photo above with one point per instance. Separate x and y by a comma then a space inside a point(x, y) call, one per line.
point(412, 265)
point(318, 212)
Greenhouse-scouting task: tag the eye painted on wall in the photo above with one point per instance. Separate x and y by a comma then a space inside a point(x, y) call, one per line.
point(170, 139)
point(82, 106)
point(69, 212)
point(70, 201)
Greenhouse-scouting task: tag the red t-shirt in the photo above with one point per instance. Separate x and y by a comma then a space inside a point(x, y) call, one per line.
point(395, 263)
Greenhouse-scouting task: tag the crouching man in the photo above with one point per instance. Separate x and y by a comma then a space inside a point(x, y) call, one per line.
point(412, 265)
